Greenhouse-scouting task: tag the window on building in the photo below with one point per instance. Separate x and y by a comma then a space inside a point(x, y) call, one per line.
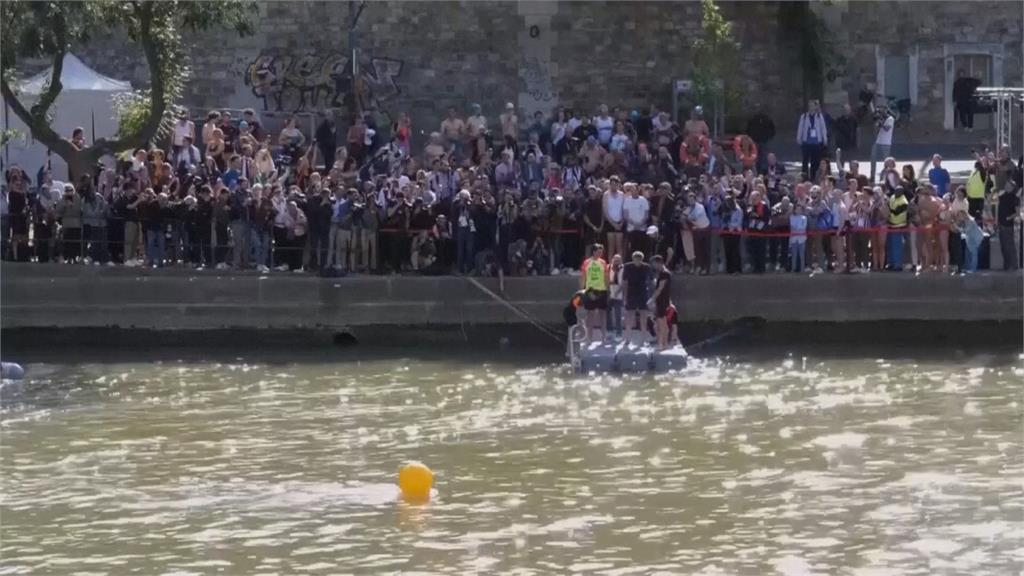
point(897, 77)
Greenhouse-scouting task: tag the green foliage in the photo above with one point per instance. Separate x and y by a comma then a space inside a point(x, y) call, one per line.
point(49, 29)
point(9, 134)
point(716, 60)
point(132, 112)
point(810, 38)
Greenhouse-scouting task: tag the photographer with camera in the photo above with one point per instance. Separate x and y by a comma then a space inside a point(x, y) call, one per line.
point(885, 122)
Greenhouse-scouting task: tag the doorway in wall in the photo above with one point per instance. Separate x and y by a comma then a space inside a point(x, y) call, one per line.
point(976, 66)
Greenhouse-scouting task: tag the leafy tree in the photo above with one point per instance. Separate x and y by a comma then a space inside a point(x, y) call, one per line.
point(715, 61)
point(50, 29)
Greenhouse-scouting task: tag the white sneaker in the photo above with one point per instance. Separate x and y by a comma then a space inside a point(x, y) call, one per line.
point(87, 260)
point(555, 272)
point(298, 271)
point(222, 266)
point(111, 263)
point(263, 269)
point(282, 268)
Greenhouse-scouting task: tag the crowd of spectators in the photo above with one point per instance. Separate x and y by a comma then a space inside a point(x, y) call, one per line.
point(511, 195)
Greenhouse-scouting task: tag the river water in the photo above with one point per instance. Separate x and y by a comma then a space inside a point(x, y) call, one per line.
point(850, 464)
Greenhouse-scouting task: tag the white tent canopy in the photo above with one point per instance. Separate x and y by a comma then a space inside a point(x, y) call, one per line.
point(74, 75)
point(86, 101)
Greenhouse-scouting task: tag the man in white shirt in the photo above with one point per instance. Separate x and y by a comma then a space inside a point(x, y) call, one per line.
point(605, 126)
point(883, 142)
point(637, 211)
point(812, 136)
point(182, 128)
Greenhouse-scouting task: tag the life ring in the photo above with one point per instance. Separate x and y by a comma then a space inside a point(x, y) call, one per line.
point(695, 149)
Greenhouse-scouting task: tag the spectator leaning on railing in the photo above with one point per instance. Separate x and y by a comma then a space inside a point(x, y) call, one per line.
point(522, 202)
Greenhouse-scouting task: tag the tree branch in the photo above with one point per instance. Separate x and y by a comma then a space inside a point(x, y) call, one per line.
point(40, 128)
point(157, 105)
point(46, 99)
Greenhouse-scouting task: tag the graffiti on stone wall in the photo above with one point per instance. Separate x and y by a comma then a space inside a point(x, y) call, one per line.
point(537, 77)
point(310, 81)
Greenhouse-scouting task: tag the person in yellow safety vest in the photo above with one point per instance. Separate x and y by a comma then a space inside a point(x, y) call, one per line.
point(977, 185)
point(594, 282)
point(898, 207)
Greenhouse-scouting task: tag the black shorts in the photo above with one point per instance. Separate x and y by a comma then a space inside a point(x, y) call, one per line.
point(595, 300)
point(636, 303)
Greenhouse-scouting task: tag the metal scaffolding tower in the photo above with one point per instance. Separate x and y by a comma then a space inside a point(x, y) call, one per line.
point(1009, 111)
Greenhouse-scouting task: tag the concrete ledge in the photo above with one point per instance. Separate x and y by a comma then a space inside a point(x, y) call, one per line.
point(38, 296)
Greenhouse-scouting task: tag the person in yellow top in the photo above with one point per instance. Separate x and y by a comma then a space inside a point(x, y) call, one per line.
point(594, 282)
point(977, 185)
point(898, 207)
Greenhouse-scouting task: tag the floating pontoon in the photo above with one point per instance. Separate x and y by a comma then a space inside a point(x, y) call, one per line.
point(601, 357)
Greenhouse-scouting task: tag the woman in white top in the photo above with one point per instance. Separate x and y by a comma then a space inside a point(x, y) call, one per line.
point(614, 200)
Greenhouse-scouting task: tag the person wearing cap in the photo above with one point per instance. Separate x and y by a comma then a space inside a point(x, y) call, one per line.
point(635, 277)
point(696, 124)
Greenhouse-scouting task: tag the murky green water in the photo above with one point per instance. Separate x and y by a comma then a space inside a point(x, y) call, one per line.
point(769, 466)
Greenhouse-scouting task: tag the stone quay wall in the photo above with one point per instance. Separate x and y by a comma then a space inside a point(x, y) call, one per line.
point(50, 296)
point(422, 57)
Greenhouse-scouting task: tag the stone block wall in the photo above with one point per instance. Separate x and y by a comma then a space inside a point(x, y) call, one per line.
point(422, 57)
point(931, 30)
